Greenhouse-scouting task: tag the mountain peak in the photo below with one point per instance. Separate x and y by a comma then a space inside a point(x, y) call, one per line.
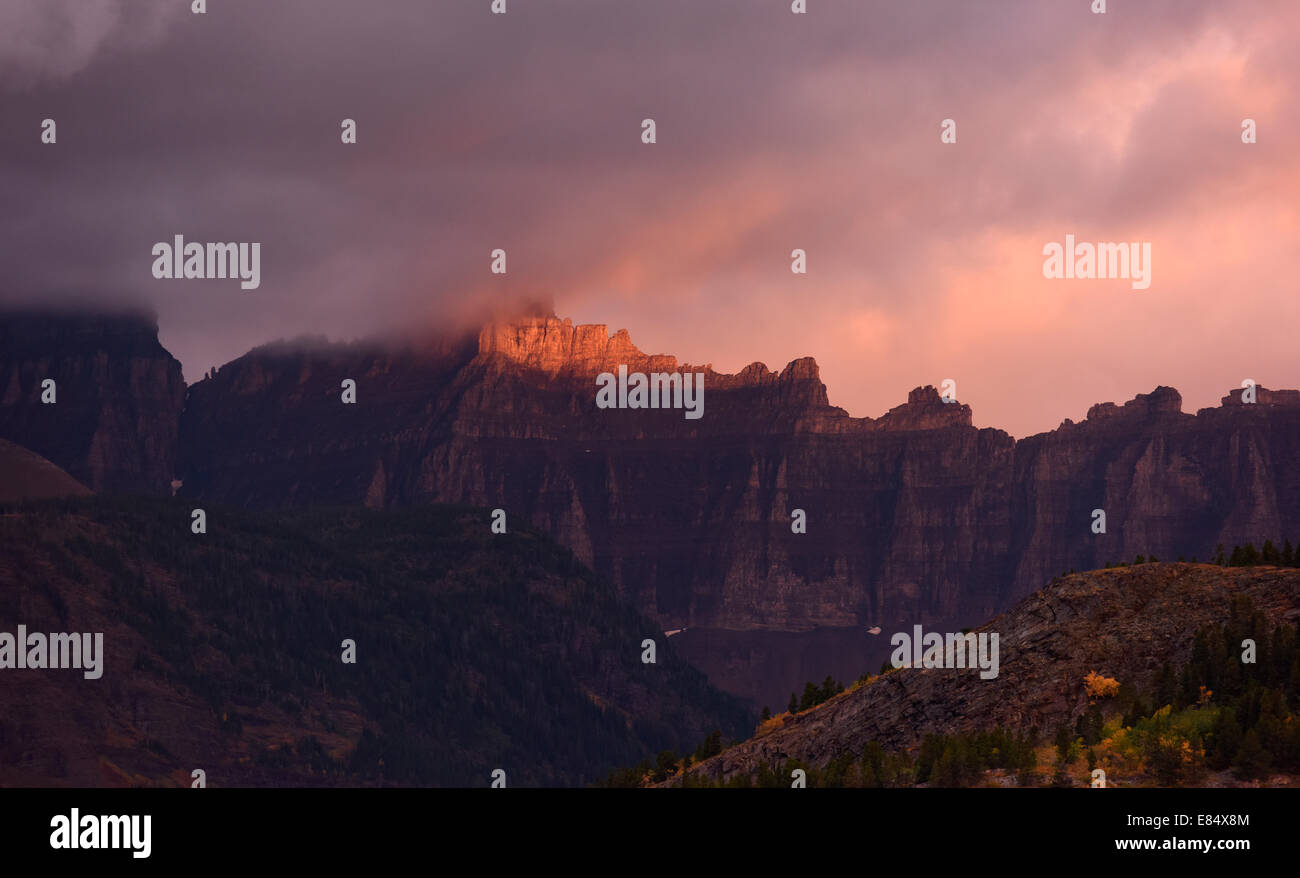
point(926, 410)
point(1263, 396)
point(553, 345)
point(1162, 400)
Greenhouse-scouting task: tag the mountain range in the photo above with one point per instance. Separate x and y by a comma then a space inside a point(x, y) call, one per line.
point(913, 517)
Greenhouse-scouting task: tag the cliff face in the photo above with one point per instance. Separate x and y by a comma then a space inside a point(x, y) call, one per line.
point(691, 518)
point(915, 516)
point(1170, 484)
point(118, 397)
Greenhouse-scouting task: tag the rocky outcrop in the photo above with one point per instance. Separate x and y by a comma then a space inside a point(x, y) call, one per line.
point(554, 346)
point(118, 396)
point(1122, 623)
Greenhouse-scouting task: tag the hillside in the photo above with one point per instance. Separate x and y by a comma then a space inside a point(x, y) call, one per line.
point(1125, 624)
point(474, 652)
point(25, 475)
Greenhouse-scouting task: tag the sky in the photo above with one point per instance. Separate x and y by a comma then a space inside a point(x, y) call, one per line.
point(774, 131)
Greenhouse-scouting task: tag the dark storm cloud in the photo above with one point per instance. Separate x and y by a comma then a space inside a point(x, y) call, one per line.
point(522, 131)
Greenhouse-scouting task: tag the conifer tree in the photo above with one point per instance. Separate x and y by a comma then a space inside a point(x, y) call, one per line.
point(1270, 553)
point(809, 696)
point(1249, 555)
point(1252, 759)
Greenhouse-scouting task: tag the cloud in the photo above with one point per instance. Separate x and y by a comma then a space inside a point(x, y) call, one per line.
point(775, 131)
point(43, 40)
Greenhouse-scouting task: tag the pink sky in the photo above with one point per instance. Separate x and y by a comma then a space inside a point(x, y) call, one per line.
point(775, 131)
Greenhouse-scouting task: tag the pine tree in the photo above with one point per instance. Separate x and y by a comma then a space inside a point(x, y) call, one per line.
point(794, 704)
point(1166, 686)
point(665, 765)
point(1089, 726)
point(1063, 741)
point(809, 696)
point(947, 770)
point(1225, 739)
point(1252, 759)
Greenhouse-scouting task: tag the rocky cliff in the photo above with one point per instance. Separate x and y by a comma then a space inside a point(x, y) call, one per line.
point(1170, 483)
point(915, 516)
point(117, 396)
point(691, 518)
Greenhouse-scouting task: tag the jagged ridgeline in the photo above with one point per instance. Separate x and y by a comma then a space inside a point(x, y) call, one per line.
point(474, 651)
point(913, 517)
